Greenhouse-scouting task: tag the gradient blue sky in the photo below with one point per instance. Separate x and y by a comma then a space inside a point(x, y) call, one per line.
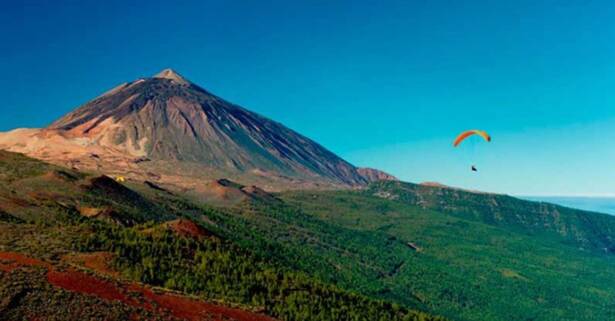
point(386, 84)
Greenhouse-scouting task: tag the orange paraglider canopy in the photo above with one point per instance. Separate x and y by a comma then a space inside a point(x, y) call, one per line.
point(469, 133)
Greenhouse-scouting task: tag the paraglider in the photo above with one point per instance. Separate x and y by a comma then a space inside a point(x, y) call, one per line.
point(464, 135)
point(469, 133)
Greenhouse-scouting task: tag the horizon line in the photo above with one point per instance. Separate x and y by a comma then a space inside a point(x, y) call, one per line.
point(567, 195)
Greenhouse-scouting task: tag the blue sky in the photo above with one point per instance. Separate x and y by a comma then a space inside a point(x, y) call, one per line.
point(386, 84)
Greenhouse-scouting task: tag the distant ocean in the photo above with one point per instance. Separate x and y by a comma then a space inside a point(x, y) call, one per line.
point(595, 204)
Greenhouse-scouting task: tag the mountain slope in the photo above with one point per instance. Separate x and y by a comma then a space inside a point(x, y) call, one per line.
point(33, 289)
point(166, 118)
point(587, 230)
point(384, 242)
point(455, 263)
point(374, 175)
point(170, 243)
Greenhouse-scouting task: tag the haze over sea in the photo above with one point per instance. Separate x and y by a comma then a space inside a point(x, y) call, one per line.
point(595, 204)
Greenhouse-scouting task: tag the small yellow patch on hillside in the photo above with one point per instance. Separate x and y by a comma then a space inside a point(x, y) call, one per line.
point(511, 274)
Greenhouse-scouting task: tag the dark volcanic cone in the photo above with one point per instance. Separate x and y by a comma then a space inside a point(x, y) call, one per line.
point(166, 117)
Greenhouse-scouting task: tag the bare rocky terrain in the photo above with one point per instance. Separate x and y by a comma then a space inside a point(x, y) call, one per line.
point(167, 130)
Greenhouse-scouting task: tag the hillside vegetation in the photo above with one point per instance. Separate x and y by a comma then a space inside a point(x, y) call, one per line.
point(588, 231)
point(381, 253)
point(51, 215)
point(463, 264)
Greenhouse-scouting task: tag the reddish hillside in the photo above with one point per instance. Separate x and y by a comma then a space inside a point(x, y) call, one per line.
point(187, 228)
point(137, 295)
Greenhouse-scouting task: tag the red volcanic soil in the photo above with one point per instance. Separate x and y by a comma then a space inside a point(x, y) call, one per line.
point(8, 267)
point(21, 259)
point(187, 228)
point(180, 307)
point(80, 282)
point(194, 310)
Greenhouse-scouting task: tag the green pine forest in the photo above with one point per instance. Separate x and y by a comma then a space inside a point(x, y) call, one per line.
point(393, 251)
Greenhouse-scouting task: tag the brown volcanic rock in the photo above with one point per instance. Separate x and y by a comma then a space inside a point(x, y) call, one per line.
point(188, 228)
point(167, 118)
point(435, 184)
point(106, 214)
point(373, 175)
point(226, 192)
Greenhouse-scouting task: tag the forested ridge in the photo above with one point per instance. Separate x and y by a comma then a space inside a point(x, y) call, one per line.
point(216, 269)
